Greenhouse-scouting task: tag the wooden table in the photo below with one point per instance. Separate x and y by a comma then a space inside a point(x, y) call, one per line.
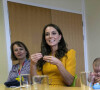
point(2, 87)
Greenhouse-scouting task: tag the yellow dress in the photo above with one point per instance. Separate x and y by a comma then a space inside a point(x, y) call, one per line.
point(69, 62)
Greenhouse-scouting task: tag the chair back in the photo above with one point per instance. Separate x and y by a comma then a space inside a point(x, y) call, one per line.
point(74, 82)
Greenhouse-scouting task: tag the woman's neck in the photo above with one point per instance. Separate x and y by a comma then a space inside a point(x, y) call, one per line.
point(21, 61)
point(53, 50)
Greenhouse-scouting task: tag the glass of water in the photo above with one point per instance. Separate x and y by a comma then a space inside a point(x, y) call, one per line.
point(41, 82)
point(86, 83)
point(25, 81)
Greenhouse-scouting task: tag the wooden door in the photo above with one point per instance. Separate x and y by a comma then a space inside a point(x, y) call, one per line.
point(27, 22)
point(71, 26)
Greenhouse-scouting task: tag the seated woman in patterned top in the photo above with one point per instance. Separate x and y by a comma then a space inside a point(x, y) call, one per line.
point(19, 52)
point(55, 60)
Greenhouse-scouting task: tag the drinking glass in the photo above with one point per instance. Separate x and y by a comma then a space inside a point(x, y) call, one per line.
point(86, 81)
point(25, 81)
point(41, 82)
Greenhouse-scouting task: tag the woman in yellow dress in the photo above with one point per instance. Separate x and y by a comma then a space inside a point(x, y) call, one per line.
point(54, 60)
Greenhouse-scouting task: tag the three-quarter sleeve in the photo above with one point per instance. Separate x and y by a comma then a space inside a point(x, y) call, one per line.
point(13, 73)
point(69, 61)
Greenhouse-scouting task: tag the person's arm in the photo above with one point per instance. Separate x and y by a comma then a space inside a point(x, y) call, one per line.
point(12, 74)
point(68, 71)
point(34, 60)
point(33, 69)
point(67, 77)
point(9, 76)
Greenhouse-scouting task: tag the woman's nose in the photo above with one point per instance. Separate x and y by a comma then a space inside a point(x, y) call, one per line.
point(19, 51)
point(50, 35)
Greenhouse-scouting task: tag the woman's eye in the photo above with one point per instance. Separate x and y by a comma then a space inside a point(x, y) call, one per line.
point(46, 34)
point(16, 50)
point(54, 33)
point(21, 49)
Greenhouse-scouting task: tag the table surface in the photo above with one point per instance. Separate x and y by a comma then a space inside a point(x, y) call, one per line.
point(2, 87)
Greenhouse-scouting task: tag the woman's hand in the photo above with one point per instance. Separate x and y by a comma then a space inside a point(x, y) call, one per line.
point(36, 57)
point(51, 59)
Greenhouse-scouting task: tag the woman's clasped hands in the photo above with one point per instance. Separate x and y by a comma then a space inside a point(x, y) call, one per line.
point(50, 59)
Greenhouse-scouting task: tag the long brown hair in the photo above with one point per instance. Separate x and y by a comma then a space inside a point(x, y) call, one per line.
point(46, 50)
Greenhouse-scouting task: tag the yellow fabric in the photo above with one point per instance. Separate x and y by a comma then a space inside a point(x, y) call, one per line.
point(69, 62)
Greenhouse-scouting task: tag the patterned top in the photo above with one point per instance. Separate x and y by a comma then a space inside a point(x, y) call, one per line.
point(14, 71)
point(69, 62)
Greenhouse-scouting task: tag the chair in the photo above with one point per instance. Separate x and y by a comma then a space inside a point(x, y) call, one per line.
point(74, 82)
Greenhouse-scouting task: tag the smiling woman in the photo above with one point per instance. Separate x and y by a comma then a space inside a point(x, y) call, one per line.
point(52, 37)
point(19, 52)
point(54, 60)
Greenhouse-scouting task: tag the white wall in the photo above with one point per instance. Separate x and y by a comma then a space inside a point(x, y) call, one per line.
point(92, 11)
point(5, 53)
point(64, 5)
point(5, 61)
point(3, 50)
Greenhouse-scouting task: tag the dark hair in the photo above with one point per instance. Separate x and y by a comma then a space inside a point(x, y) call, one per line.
point(46, 50)
point(96, 62)
point(20, 44)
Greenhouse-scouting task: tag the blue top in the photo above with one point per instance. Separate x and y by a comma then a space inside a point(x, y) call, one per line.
point(14, 71)
point(96, 86)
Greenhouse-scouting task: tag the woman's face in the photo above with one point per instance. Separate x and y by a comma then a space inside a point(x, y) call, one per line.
point(52, 36)
point(19, 52)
